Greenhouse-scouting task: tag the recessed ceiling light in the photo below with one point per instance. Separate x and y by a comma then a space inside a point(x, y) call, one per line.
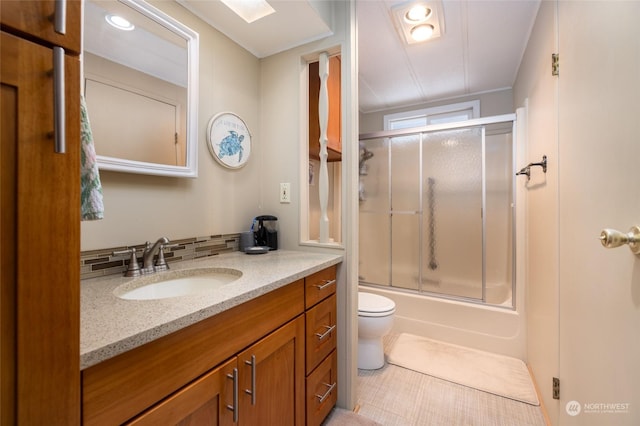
point(250, 10)
point(417, 13)
point(422, 32)
point(419, 20)
point(119, 22)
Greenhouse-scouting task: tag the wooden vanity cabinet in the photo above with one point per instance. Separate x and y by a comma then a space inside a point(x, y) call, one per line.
point(34, 19)
point(163, 378)
point(39, 221)
point(262, 385)
point(269, 361)
point(208, 401)
point(321, 353)
point(271, 378)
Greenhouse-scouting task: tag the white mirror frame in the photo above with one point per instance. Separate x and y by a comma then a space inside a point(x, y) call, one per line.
point(191, 168)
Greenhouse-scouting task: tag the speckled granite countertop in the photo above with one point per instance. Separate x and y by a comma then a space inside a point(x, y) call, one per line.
point(110, 326)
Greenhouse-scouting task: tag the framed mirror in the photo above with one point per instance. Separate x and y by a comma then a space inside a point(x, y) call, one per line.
point(141, 85)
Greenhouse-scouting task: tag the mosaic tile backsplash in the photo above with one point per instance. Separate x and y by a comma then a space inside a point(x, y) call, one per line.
point(99, 263)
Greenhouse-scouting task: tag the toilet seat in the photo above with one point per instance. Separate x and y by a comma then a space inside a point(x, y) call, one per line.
point(374, 305)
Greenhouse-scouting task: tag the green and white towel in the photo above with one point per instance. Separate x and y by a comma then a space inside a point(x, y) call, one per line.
point(91, 205)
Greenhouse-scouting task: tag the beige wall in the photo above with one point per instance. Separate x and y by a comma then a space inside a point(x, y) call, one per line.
point(140, 208)
point(535, 83)
point(283, 117)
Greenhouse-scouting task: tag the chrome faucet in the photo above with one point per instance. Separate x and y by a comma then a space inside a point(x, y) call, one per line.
point(149, 252)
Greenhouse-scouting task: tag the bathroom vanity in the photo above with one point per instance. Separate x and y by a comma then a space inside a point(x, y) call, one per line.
point(260, 350)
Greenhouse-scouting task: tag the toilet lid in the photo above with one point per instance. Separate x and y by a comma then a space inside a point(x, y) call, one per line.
point(369, 303)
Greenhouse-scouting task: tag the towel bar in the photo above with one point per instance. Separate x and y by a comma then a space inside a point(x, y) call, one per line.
point(527, 169)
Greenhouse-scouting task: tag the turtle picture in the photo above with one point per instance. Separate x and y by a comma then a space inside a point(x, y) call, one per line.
point(229, 140)
point(231, 145)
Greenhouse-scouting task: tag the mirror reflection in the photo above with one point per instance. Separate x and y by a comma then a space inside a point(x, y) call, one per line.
point(137, 88)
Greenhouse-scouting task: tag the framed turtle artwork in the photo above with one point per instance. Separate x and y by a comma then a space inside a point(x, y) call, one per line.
point(229, 140)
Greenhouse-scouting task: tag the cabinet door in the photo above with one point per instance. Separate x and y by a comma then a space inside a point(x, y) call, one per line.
point(208, 401)
point(40, 230)
point(272, 378)
point(36, 18)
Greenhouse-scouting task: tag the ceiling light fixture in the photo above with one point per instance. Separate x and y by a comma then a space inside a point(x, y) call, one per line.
point(422, 32)
point(417, 13)
point(119, 22)
point(250, 10)
point(418, 21)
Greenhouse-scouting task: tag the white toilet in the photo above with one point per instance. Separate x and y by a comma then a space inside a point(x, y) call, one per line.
point(375, 319)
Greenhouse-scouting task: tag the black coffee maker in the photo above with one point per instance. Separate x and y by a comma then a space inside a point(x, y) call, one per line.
point(265, 231)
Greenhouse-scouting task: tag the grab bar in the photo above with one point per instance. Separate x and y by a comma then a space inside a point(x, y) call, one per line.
point(527, 169)
point(431, 200)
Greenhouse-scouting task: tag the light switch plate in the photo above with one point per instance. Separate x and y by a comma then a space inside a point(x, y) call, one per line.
point(285, 192)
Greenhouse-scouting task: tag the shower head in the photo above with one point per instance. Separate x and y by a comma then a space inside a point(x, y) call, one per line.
point(364, 156)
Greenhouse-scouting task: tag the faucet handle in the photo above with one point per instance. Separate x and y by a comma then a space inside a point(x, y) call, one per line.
point(133, 270)
point(161, 264)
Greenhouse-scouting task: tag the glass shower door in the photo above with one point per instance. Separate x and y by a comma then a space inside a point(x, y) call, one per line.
point(405, 211)
point(375, 226)
point(453, 206)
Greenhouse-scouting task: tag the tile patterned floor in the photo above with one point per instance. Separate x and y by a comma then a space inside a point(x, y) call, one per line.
point(395, 396)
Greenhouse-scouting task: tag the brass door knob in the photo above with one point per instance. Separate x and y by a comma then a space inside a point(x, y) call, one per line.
point(611, 238)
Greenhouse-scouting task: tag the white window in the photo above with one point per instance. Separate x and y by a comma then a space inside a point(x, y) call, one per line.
point(435, 115)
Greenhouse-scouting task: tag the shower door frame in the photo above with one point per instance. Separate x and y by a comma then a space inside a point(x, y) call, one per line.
point(473, 123)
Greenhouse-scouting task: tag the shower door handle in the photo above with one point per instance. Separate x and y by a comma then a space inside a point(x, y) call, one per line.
point(610, 238)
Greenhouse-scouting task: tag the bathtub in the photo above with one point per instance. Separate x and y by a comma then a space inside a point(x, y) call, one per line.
point(490, 328)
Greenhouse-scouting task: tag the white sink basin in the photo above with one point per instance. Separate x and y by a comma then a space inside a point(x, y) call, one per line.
point(176, 283)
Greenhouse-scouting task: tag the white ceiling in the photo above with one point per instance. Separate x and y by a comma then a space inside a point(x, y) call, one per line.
point(480, 50)
point(294, 23)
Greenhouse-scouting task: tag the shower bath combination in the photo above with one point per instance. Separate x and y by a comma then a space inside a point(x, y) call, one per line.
point(437, 218)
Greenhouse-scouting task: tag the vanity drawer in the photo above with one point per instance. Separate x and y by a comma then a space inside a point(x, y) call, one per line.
point(320, 331)
point(322, 390)
point(319, 285)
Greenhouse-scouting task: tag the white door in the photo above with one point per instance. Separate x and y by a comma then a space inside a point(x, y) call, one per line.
point(599, 187)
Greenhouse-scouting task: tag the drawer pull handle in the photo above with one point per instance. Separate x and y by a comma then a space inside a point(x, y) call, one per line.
point(326, 333)
point(321, 398)
point(59, 101)
point(60, 17)
point(252, 391)
point(326, 284)
point(234, 407)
